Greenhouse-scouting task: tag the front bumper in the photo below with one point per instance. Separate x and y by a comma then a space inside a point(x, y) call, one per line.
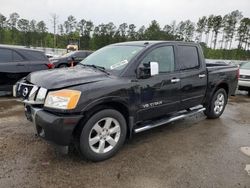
point(244, 84)
point(55, 128)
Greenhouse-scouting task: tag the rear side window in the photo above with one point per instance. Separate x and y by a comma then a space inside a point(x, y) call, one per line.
point(16, 56)
point(5, 55)
point(188, 57)
point(162, 55)
point(80, 54)
point(34, 55)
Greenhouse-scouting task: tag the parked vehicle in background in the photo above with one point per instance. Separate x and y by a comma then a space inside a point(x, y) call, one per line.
point(16, 63)
point(66, 59)
point(122, 89)
point(244, 80)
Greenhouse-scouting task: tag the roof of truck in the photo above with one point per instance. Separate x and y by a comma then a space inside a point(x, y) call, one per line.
point(151, 42)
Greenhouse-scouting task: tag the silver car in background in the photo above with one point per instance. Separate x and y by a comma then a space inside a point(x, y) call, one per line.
point(244, 80)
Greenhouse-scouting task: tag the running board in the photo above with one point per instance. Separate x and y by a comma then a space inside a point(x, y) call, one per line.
point(163, 121)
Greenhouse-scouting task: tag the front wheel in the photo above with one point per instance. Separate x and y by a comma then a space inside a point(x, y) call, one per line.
point(103, 135)
point(217, 104)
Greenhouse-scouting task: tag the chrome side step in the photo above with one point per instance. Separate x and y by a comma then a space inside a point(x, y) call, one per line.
point(169, 119)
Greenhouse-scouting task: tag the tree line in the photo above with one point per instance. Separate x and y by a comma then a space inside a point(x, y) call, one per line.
point(216, 33)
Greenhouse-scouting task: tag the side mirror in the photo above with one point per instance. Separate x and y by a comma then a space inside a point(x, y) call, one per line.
point(148, 70)
point(154, 68)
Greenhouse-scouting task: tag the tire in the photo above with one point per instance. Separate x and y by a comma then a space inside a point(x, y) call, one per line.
point(63, 66)
point(103, 135)
point(217, 104)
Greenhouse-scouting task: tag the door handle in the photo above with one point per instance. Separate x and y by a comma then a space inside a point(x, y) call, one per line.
point(202, 75)
point(20, 64)
point(175, 80)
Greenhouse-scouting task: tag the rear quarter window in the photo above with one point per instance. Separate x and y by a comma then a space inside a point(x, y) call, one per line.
point(188, 57)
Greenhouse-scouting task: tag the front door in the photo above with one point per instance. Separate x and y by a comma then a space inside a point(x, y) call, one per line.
point(159, 94)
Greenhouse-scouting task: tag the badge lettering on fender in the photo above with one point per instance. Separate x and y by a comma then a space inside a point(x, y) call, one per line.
point(152, 104)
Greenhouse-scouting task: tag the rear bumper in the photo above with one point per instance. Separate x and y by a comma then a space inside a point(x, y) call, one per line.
point(54, 128)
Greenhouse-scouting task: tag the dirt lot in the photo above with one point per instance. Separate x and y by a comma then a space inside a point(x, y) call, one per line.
point(194, 152)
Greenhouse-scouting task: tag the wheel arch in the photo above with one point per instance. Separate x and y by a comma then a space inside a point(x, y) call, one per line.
point(119, 105)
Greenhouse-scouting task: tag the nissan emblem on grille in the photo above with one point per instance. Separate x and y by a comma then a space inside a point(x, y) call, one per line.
point(25, 91)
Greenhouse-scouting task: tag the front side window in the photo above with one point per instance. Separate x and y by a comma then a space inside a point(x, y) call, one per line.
point(114, 57)
point(5, 55)
point(188, 57)
point(164, 56)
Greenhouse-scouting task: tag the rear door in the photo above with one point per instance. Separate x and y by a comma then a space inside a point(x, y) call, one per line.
point(37, 60)
point(12, 67)
point(193, 76)
point(79, 56)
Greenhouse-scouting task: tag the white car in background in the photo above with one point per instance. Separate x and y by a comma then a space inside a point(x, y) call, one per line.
point(244, 80)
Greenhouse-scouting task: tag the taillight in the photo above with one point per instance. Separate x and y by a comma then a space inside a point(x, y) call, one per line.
point(50, 65)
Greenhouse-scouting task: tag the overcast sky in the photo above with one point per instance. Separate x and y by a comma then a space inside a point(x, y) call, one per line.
point(139, 12)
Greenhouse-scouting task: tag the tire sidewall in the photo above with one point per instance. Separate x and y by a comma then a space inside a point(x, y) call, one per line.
point(212, 105)
point(84, 138)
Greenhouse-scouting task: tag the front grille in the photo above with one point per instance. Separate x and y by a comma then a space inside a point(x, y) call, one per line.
point(245, 76)
point(24, 90)
point(31, 94)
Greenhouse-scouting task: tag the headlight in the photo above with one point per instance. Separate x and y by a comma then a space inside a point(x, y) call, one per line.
point(62, 99)
point(41, 95)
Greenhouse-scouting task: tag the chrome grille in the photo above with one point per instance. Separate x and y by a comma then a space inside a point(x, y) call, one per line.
point(245, 76)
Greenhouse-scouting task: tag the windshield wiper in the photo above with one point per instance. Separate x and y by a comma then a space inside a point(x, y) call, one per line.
point(100, 68)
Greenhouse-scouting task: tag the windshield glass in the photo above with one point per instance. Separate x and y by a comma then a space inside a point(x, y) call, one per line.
point(245, 66)
point(112, 57)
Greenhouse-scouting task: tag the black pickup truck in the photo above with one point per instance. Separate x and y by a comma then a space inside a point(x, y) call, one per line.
point(122, 89)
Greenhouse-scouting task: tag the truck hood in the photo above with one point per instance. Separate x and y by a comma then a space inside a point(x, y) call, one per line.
point(65, 77)
point(245, 72)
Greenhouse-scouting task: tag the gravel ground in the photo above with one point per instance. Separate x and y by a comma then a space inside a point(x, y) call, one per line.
point(194, 152)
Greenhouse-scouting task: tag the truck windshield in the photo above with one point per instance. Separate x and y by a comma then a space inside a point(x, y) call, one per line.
point(112, 57)
point(245, 66)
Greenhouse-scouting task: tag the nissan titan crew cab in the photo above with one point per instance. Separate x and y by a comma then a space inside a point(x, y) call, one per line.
point(122, 89)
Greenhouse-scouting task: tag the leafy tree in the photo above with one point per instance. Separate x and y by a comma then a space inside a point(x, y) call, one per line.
point(23, 26)
point(209, 27)
point(12, 23)
point(217, 24)
point(243, 32)
point(41, 29)
point(153, 32)
point(201, 25)
point(141, 32)
point(2, 27)
point(131, 32)
point(230, 24)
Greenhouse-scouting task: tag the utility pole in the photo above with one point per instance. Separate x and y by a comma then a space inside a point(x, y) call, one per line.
point(54, 20)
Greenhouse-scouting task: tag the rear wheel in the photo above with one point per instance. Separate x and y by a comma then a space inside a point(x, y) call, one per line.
point(103, 135)
point(62, 66)
point(217, 104)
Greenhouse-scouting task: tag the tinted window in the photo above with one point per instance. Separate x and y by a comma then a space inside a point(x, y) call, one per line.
point(5, 55)
point(16, 56)
point(164, 56)
point(188, 57)
point(34, 55)
point(80, 54)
